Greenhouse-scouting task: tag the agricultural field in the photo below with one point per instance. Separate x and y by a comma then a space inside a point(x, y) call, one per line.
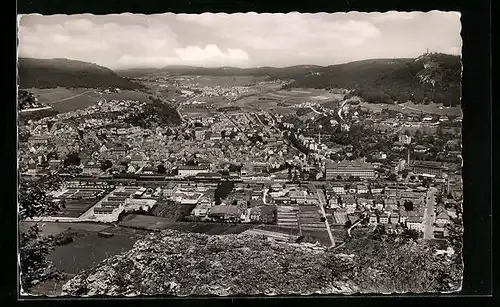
point(409, 107)
point(67, 100)
point(147, 222)
point(283, 99)
point(221, 80)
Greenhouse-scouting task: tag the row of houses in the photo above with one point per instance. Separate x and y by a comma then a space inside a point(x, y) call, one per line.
point(235, 213)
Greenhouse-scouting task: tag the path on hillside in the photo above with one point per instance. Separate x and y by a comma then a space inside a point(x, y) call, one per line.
point(340, 110)
point(71, 97)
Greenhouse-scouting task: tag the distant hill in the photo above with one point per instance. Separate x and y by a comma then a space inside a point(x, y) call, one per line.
point(428, 78)
point(51, 73)
point(433, 77)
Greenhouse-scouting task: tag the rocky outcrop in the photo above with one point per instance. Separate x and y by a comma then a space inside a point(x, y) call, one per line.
point(175, 263)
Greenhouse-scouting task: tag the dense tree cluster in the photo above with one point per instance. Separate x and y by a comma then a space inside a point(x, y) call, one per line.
point(33, 249)
point(155, 112)
point(224, 188)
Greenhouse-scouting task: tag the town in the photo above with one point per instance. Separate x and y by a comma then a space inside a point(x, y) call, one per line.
point(240, 154)
point(319, 171)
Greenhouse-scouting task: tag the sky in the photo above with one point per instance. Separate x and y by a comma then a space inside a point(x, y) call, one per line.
point(122, 41)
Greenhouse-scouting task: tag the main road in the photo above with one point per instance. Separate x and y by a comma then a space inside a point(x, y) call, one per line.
point(430, 201)
point(322, 203)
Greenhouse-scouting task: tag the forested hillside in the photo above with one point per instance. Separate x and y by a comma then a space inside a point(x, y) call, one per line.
point(41, 73)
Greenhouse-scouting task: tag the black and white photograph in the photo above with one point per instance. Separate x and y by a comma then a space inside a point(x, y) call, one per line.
point(253, 154)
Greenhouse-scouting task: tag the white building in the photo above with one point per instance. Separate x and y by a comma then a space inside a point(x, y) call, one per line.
point(191, 170)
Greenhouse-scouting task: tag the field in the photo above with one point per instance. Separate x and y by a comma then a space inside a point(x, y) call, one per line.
point(221, 80)
point(409, 107)
point(90, 249)
point(67, 100)
point(281, 100)
point(75, 208)
point(52, 228)
point(160, 223)
point(321, 236)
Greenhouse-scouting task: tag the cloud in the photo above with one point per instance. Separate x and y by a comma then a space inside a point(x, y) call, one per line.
point(286, 31)
point(195, 54)
point(393, 16)
point(243, 39)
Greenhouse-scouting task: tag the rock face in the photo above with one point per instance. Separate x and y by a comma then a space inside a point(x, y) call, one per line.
point(176, 263)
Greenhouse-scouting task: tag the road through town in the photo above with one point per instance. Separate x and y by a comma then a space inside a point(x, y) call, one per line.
point(322, 203)
point(429, 213)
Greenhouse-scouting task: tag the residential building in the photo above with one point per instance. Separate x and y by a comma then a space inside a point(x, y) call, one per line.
point(338, 189)
point(415, 223)
point(362, 189)
point(384, 218)
point(404, 139)
point(373, 219)
point(420, 149)
point(38, 140)
point(92, 169)
point(442, 217)
point(199, 134)
point(255, 214)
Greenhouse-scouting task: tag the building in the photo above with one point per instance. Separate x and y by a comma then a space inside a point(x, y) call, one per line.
point(298, 197)
point(404, 139)
point(191, 170)
point(338, 189)
point(170, 189)
point(415, 223)
point(215, 136)
point(55, 164)
point(442, 217)
point(420, 149)
point(139, 159)
point(373, 219)
point(199, 134)
point(224, 212)
point(103, 210)
point(38, 140)
point(376, 189)
point(384, 218)
point(346, 169)
point(405, 215)
point(201, 209)
point(362, 189)
point(430, 168)
point(398, 166)
point(91, 169)
point(255, 214)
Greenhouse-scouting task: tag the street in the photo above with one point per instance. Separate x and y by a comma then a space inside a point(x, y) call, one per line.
point(322, 203)
point(429, 213)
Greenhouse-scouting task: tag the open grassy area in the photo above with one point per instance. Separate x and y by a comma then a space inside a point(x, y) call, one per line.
point(160, 223)
point(410, 107)
point(90, 249)
point(53, 228)
point(66, 100)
